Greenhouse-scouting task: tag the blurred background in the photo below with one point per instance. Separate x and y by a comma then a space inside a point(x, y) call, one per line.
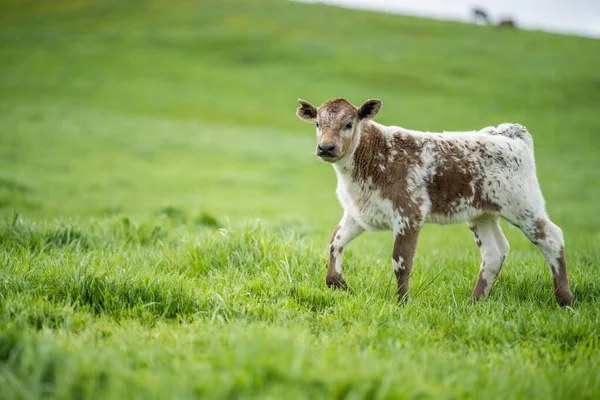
point(188, 107)
point(580, 17)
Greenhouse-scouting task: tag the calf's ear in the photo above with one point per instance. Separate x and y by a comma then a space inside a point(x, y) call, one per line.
point(369, 109)
point(306, 111)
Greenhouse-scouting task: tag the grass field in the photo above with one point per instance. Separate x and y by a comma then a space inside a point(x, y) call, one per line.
point(165, 223)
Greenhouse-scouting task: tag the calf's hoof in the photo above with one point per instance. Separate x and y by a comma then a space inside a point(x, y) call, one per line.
point(403, 298)
point(477, 298)
point(336, 282)
point(564, 298)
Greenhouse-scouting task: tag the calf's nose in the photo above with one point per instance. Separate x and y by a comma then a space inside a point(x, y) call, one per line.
point(325, 148)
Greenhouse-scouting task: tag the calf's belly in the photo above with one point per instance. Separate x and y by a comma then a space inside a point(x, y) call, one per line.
point(454, 218)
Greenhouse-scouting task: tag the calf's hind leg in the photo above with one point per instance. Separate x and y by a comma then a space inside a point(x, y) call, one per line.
point(494, 248)
point(549, 239)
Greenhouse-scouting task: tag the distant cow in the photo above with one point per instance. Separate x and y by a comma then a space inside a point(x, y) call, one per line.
point(479, 15)
point(507, 23)
point(391, 178)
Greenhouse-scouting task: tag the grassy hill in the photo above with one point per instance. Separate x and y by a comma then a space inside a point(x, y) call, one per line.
point(141, 140)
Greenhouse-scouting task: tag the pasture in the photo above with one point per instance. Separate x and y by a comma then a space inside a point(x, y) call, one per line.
point(165, 222)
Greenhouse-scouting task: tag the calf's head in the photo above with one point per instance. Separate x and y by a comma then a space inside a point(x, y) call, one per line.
point(338, 125)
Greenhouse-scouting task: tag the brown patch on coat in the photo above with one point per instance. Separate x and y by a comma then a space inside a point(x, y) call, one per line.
point(480, 286)
point(480, 202)
point(540, 229)
point(375, 149)
point(419, 201)
point(334, 234)
point(452, 179)
point(563, 294)
point(405, 246)
point(456, 178)
point(473, 229)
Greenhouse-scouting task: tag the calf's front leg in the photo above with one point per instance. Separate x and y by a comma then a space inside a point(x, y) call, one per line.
point(405, 245)
point(346, 230)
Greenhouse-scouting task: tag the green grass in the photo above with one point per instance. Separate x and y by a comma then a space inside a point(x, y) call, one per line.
point(142, 142)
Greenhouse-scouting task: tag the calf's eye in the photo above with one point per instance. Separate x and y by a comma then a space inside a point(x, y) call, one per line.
point(316, 123)
point(349, 125)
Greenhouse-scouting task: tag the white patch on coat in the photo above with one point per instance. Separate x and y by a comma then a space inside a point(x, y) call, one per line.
point(348, 230)
point(494, 248)
point(398, 265)
point(338, 263)
point(364, 204)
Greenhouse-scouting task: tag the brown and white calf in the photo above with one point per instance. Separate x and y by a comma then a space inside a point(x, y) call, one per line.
point(391, 178)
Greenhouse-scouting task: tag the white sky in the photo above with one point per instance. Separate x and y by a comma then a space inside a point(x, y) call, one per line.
point(581, 17)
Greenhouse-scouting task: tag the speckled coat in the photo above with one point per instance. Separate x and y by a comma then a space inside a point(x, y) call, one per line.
point(391, 178)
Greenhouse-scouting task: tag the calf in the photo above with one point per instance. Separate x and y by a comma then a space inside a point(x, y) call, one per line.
point(391, 178)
